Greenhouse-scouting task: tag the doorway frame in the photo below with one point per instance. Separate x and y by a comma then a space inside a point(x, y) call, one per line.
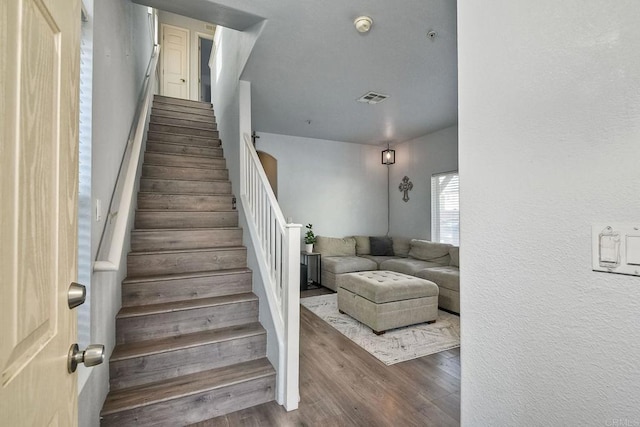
point(199, 37)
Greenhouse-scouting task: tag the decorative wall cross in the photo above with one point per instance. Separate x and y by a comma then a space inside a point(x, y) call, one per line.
point(405, 186)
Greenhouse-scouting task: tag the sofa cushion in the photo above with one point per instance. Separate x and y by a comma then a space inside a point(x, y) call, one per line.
point(454, 253)
point(387, 286)
point(381, 246)
point(378, 259)
point(445, 277)
point(430, 251)
point(347, 264)
point(406, 265)
point(401, 246)
point(333, 246)
point(362, 245)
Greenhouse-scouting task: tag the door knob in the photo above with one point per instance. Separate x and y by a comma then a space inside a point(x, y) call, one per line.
point(76, 295)
point(183, 80)
point(92, 356)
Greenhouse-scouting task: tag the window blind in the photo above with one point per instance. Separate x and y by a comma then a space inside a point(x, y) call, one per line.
point(445, 208)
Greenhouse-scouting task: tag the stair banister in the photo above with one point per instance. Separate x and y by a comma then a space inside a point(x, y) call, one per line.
point(109, 259)
point(277, 246)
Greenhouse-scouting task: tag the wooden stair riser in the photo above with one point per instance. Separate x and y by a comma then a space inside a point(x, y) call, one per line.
point(159, 263)
point(181, 219)
point(170, 111)
point(197, 407)
point(183, 139)
point(172, 288)
point(164, 240)
point(180, 130)
point(174, 121)
point(177, 160)
point(160, 99)
point(170, 186)
point(172, 172)
point(157, 367)
point(182, 202)
point(192, 150)
point(175, 323)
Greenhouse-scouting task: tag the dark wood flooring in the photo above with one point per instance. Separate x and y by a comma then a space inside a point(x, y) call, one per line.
point(343, 385)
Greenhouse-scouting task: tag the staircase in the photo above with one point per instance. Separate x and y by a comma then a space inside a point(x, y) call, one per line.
point(188, 343)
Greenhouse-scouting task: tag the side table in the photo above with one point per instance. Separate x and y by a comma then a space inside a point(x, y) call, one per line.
point(310, 268)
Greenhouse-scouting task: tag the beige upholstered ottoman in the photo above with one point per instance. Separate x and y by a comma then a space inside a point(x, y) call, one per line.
point(386, 300)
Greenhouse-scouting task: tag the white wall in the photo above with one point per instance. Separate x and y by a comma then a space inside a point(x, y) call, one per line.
point(338, 187)
point(122, 45)
point(549, 124)
point(194, 26)
point(419, 159)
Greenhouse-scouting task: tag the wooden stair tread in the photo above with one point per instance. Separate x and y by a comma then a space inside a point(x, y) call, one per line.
point(192, 136)
point(172, 307)
point(131, 398)
point(179, 251)
point(183, 230)
point(189, 212)
point(188, 128)
point(149, 156)
point(182, 101)
point(164, 345)
point(169, 113)
point(178, 276)
point(163, 194)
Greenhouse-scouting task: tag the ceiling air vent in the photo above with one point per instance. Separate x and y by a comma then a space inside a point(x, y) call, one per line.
point(372, 98)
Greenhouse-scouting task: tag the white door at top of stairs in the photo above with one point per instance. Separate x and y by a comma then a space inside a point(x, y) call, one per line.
point(175, 61)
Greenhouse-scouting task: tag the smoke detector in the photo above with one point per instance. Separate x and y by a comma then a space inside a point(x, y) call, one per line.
point(363, 24)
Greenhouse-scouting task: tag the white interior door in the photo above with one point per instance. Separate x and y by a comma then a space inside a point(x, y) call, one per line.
point(175, 61)
point(39, 70)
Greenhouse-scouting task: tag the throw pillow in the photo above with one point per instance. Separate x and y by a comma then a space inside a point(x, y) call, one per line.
point(401, 246)
point(362, 245)
point(381, 246)
point(333, 246)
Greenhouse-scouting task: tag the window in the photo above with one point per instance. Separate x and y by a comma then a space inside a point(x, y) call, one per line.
point(445, 208)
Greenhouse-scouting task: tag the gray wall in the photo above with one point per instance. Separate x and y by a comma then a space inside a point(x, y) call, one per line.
point(338, 187)
point(419, 159)
point(549, 144)
point(122, 46)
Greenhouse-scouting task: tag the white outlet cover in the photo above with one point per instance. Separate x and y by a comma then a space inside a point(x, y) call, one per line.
point(616, 248)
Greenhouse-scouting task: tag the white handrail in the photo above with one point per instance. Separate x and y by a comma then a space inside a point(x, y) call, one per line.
point(277, 246)
point(125, 185)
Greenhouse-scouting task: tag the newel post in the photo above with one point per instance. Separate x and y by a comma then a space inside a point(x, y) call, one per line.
point(291, 306)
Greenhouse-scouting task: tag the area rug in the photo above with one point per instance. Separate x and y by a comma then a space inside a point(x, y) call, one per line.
point(396, 345)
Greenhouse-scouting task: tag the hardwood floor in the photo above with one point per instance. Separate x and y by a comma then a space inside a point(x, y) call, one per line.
point(343, 385)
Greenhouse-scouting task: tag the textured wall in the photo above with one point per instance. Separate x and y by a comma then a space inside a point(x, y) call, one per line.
point(549, 126)
point(419, 159)
point(338, 187)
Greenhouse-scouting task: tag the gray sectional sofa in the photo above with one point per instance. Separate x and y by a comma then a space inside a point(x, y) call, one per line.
point(436, 262)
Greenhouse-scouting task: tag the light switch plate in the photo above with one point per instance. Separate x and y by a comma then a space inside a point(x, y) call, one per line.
point(616, 248)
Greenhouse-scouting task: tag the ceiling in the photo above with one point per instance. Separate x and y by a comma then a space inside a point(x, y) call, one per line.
point(310, 65)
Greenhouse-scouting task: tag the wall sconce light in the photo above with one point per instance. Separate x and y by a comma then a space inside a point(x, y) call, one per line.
point(388, 156)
